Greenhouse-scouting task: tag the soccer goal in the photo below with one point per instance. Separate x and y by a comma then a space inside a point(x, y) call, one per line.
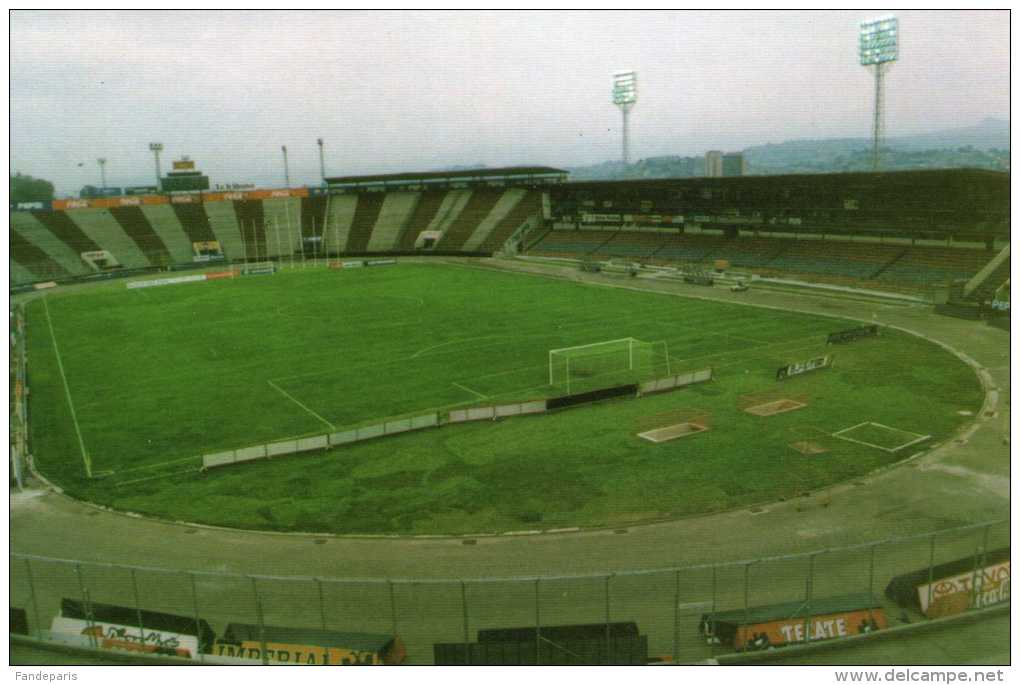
point(604, 364)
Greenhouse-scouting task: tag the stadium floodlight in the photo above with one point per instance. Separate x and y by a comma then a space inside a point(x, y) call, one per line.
point(322, 161)
point(286, 169)
point(879, 46)
point(156, 148)
point(102, 171)
point(625, 97)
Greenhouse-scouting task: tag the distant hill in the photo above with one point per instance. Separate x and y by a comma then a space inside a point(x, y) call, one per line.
point(984, 145)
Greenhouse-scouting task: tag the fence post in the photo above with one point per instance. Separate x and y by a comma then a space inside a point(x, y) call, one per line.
point(464, 609)
point(676, 619)
point(86, 605)
point(393, 607)
point(980, 561)
point(35, 603)
point(262, 627)
point(871, 581)
point(322, 604)
point(931, 571)
point(808, 591)
point(609, 658)
point(198, 620)
point(138, 607)
point(538, 625)
point(747, 598)
point(712, 640)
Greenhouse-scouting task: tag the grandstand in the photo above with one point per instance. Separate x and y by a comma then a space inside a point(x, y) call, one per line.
point(913, 230)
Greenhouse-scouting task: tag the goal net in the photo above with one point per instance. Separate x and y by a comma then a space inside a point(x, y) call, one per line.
point(605, 364)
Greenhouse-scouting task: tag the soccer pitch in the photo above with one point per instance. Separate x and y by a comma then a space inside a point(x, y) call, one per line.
point(137, 383)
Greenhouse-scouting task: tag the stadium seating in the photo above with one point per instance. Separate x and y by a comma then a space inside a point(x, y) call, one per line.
point(36, 232)
point(35, 260)
point(138, 228)
point(396, 211)
point(251, 220)
point(365, 216)
point(168, 227)
point(223, 222)
point(630, 245)
point(570, 243)
point(194, 221)
point(466, 222)
point(424, 212)
point(506, 204)
point(104, 230)
point(527, 206)
point(276, 212)
point(339, 216)
point(936, 265)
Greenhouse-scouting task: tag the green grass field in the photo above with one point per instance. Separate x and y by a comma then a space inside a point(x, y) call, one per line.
point(158, 376)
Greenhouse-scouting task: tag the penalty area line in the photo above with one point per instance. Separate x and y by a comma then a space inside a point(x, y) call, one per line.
point(86, 460)
point(473, 392)
point(298, 403)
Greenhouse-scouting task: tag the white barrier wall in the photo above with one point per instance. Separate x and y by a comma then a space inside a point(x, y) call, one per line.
point(672, 382)
point(481, 413)
point(319, 442)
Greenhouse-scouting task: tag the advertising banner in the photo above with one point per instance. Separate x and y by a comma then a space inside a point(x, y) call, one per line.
point(973, 590)
point(799, 368)
point(852, 334)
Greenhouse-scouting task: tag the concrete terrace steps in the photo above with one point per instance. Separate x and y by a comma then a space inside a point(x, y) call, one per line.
point(452, 205)
point(194, 221)
point(137, 227)
point(37, 233)
point(168, 227)
point(277, 212)
point(223, 222)
point(528, 206)
point(339, 216)
point(394, 215)
point(35, 260)
point(504, 207)
point(464, 225)
point(365, 216)
point(428, 205)
point(103, 229)
point(68, 232)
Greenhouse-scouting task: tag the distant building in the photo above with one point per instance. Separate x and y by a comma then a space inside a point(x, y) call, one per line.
point(733, 164)
point(713, 163)
point(184, 177)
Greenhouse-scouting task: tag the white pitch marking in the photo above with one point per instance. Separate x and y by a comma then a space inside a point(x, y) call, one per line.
point(86, 460)
point(295, 401)
point(473, 392)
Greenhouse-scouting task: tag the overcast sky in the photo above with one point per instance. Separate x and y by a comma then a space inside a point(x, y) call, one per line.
point(406, 91)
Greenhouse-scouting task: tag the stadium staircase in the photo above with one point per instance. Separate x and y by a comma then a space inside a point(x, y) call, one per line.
point(986, 282)
point(37, 233)
point(35, 260)
point(138, 228)
point(528, 206)
point(252, 222)
point(453, 205)
point(365, 216)
point(168, 227)
point(888, 265)
point(103, 229)
point(396, 212)
point(467, 221)
point(223, 222)
point(424, 212)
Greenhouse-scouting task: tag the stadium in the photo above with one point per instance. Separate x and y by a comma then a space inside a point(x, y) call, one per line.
point(497, 416)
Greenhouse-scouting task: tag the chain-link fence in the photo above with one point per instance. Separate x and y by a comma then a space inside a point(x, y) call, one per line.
point(670, 607)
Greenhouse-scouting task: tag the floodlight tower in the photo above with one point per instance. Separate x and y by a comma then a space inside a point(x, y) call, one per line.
point(102, 171)
point(156, 148)
point(322, 161)
point(624, 97)
point(879, 46)
point(286, 169)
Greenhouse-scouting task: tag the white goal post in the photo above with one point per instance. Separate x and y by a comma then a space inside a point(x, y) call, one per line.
point(625, 358)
